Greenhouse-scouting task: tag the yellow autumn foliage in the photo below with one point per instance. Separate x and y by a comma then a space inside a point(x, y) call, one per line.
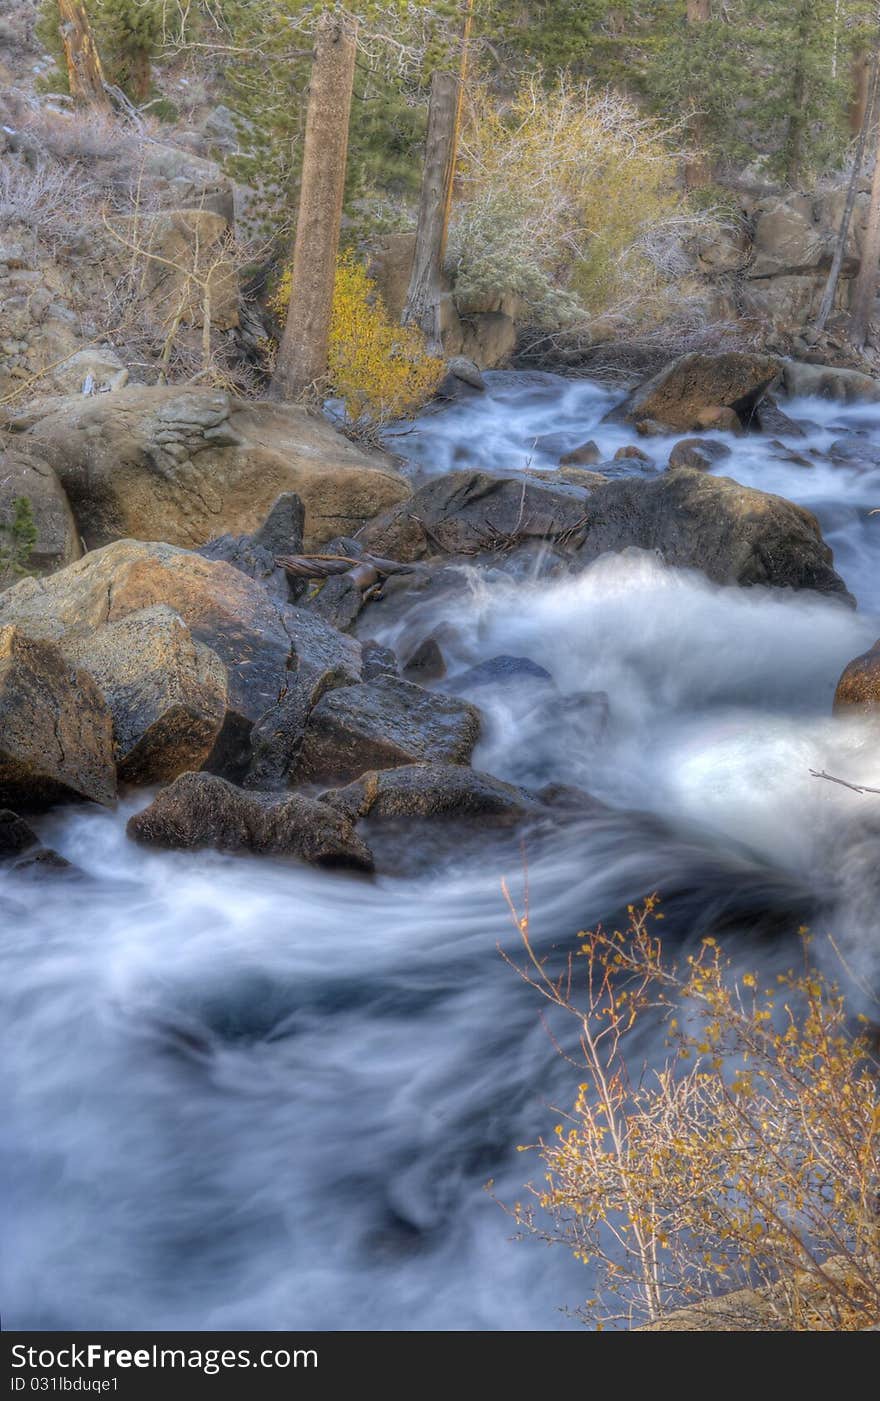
point(380, 370)
point(571, 201)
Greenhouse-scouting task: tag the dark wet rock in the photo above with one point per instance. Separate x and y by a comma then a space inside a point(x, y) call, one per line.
point(383, 724)
point(425, 663)
point(254, 555)
point(339, 601)
point(15, 835)
point(56, 731)
point(499, 671)
point(786, 454)
point(770, 418)
point(584, 456)
point(733, 534)
point(200, 810)
point(377, 660)
point(855, 451)
point(466, 512)
point(699, 453)
point(697, 381)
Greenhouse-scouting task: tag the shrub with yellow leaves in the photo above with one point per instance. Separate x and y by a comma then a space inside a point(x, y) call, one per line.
point(571, 203)
point(380, 371)
point(740, 1183)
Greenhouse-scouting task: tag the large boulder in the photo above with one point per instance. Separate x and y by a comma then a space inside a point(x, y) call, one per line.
point(786, 237)
point(200, 810)
point(26, 477)
point(676, 396)
point(166, 692)
point(186, 464)
point(383, 724)
point(56, 732)
point(732, 533)
point(465, 512)
point(265, 645)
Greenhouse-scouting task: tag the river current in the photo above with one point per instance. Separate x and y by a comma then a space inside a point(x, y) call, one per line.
point(239, 1093)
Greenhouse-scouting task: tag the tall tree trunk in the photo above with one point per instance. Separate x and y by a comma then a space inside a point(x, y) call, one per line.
point(140, 75)
point(302, 356)
point(698, 172)
point(84, 72)
point(423, 306)
point(868, 110)
point(865, 289)
point(423, 298)
point(860, 80)
point(794, 142)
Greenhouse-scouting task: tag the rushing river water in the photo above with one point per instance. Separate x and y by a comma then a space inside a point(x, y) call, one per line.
point(242, 1094)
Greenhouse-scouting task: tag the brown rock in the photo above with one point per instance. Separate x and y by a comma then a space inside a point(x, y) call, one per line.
point(859, 686)
point(262, 642)
point(631, 451)
point(56, 732)
point(695, 382)
point(199, 810)
point(721, 419)
point(166, 692)
point(186, 464)
point(585, 456)
point(699, 453)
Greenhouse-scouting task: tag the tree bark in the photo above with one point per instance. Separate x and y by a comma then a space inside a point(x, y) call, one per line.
point(698, 172)
point(865, 289)
point(301, 367)
point(858, 105)
point(423, 298)
point(140, 75)
point(84, 72)
point(868, 109)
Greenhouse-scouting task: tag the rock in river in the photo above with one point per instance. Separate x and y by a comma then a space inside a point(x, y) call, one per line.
point(200, 810)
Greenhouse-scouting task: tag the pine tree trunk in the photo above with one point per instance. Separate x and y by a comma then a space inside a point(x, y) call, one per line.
point(423, 298)
point(84, 72)
point(697, 172)
point(302, 356)
point(794, 145)
point(868, 107)
point(865, 289)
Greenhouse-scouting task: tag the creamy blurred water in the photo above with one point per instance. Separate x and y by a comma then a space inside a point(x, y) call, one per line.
point(245, 1094)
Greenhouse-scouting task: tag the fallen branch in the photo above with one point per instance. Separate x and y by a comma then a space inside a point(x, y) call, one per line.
point(855, 787)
